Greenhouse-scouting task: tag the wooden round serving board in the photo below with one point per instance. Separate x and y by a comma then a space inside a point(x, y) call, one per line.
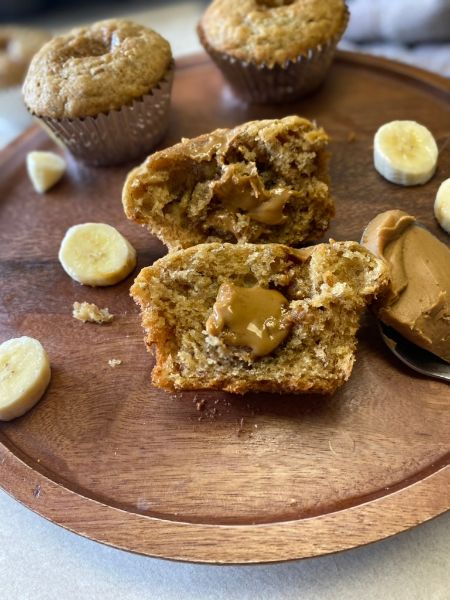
point(212, 477)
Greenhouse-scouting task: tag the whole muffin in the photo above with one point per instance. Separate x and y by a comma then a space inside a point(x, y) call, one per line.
point(17, 47)
point(103, 90)
point(273, 50)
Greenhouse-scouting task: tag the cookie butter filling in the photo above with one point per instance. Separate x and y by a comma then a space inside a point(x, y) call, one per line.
point(249, 317)
point(418, 303)
point(246, 192)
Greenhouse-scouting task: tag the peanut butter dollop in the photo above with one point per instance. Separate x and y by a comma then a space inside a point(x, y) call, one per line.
point(245, 191)
point(250, 317)
point(418, 302)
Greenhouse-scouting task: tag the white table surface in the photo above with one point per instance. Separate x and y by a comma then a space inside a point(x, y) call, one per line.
point(40, 561)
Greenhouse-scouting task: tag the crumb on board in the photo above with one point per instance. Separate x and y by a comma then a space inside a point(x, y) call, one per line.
point(86, 312)
point(351, 136)
point(114, 362)
point(207, 411)
point(200, 404)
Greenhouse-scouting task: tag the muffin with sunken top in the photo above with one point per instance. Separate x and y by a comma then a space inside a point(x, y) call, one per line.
point(273, 50)
point(103, 90)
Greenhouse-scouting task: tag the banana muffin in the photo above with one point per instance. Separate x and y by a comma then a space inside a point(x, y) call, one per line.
point(103, 90)
point(273, 50)
point(252, 317)
point(263, 181)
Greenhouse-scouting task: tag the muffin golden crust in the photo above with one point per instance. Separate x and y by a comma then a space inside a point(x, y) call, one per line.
point(17, 47)
point(272, 31)
point(263, 181)
point(323, 291)
point(95, 69)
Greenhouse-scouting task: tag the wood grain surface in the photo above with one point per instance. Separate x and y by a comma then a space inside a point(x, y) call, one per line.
point(208, 476)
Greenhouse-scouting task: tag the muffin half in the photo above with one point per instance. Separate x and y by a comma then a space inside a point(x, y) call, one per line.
point(248, 317)
point(263, 181)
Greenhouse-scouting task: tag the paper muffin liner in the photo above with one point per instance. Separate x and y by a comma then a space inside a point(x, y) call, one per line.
point(117, 136)
point(261, 83)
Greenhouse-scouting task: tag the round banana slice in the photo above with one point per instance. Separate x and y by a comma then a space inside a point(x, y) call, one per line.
point(442, 205)
point(96, 254)
point(24, 376)
point(405, 152)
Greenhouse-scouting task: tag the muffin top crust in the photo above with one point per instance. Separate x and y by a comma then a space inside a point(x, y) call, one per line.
point(17, 47)
point(272, 31)
point(95, 69)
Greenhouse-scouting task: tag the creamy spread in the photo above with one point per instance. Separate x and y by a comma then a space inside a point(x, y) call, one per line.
point(246, 192)
point(250, 317)
point(418, 302)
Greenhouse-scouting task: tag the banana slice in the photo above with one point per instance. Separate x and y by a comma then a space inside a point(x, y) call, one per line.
point(442, 205)
point(96, 254)
point(24, 376)
point(405, 152)
point(45, 169)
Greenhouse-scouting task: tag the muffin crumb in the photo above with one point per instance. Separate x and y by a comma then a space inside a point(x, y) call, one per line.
point(91, 313)
point(200, 404)
point(114, 362)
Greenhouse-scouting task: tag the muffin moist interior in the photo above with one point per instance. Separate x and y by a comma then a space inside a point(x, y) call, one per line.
point(237, 186)
point(325, 287)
